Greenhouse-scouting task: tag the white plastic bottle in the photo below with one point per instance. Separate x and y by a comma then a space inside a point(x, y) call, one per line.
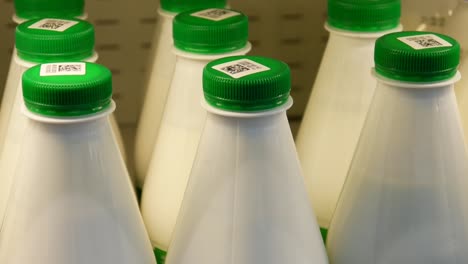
point(341, 97)
point(405, 198)
point(160, 71)
point(426, 15)
point(47, 40)
point(246, 201)
point(39, 40)
point(72, 200)
point(31, 9)
point(199, 37)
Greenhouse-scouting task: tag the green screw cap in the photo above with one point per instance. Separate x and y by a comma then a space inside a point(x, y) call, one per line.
point(177, 6)
point(31, 9)
point(246, 83)
point(417, 56)
point(364, 15)
point(49, 40)
point(64, 94)
point(210, 31)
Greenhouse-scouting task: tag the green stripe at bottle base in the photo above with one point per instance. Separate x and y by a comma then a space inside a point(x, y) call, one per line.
point(160, 255)
point(324, 232)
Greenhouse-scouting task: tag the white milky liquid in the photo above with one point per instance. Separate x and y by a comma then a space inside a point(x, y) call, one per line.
point(175, 148)
point(334, 118)
point(161, 69)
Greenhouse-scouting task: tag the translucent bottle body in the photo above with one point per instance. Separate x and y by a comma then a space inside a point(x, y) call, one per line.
point(72, 199)
point(161, 70)
point(175, 148)
point(334, 117)
point(234, 210)
point(404, 200)
point(13, 127)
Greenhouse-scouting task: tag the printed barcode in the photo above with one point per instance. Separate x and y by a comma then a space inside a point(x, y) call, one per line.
point(59, 25)
point(241, 68)
point(59, 69)
point(54, 24)
point(215, 14)
point(425, 41)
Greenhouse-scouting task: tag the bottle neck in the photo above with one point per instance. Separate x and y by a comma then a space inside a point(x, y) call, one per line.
point(52, 120)
point(210, 57)
point(29, 64)
point(164, 14)
point(247, 115)
point(360, 35)
point(416, 107)
point(412, 85)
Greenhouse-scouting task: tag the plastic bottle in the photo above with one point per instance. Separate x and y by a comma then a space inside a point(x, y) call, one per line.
point(72, 200)
point(231, 211)
point(341, 97)
point(38, 40)
point(426, 15)
point(32, 9)
point(200, 36)
point(161, 69)
point(405, 198)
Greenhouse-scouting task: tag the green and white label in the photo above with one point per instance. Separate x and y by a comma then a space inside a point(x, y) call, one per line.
point(241, 68)
point(51, 24)
point(215, 14)
point(63, 69)
point(428, 41)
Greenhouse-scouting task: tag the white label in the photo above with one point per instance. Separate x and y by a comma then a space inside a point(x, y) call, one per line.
point(428, 41)
point(240, 68)
point(51, 24)
point(63, 69)
point(215, 14)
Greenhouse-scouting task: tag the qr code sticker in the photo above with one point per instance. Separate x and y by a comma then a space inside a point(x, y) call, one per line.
point(240, 68)
point(58, 25)
point(428, 41)
point(63, 69)
point(215, 14)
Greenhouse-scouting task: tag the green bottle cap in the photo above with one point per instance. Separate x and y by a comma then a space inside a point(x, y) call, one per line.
point(246, 83)
point(31, 9)
point(67, 89)
point(177, 6)
point(50, 39)
point(417, 56)
point(211, 31)
point(364, 15)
